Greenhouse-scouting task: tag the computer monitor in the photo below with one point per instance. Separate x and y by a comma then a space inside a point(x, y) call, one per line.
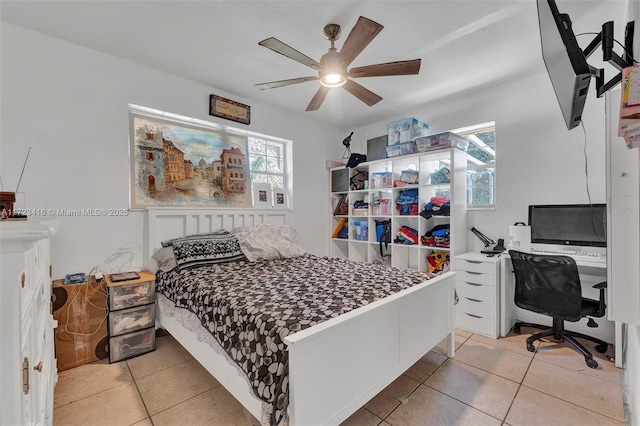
point(569, 224)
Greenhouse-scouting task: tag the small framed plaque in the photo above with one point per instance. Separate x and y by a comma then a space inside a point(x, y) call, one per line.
point(229, 110)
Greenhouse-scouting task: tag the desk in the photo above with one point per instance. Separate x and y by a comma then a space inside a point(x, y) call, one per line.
point(591, 273)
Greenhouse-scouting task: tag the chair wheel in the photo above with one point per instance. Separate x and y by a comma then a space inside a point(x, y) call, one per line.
point(530, 347)
point(592, 363)
point(602, 348)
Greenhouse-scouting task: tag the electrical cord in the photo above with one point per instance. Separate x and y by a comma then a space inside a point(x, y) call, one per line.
point(586, 174)
point(85, 287)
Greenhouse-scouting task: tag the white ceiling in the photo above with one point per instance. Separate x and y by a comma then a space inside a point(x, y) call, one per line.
point(463, 45)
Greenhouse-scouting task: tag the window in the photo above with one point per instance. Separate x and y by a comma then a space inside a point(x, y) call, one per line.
point(481, 164)
point(267, 162)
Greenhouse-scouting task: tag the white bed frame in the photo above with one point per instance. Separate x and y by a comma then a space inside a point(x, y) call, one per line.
point(342, 362)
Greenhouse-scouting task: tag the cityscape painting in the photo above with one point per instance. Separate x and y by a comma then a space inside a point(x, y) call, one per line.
point(179, 165)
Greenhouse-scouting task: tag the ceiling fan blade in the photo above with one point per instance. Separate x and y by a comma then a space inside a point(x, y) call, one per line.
point(280, 83)
point(389, 68)
point(362, 93)
point(318, 98)
point(360, 36)
point(288, 51)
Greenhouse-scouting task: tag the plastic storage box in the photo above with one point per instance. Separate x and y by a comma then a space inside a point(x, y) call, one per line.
point(441, 140)
point(129, 295)
point(127, 320)
point(405, 130)
point(404, 148)
point(132, 344)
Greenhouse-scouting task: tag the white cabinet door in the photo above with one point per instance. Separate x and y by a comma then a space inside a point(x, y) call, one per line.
point(623, 222)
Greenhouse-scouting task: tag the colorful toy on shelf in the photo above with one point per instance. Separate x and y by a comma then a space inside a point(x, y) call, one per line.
point(438, 262)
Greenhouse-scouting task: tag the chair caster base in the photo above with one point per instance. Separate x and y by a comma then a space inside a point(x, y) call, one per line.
point(592, 363)
point(530, 347)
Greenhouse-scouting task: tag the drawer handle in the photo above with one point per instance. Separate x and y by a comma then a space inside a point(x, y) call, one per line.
point(38, 367)
point(23, 278)
point(473, 300)
point(473, 273)
point(473, 316)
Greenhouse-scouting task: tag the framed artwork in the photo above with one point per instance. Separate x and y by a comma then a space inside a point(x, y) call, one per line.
point(280, 198)
point(228, 109)
point(179, 164)
point(262, 195)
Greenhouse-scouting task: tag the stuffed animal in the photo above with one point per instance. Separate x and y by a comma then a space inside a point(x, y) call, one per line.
point(438, 262)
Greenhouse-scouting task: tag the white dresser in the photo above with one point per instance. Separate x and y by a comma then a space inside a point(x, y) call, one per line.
point(478, 290)
point(28, 370)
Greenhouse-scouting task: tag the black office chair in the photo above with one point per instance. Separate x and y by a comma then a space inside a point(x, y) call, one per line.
point(550, 285)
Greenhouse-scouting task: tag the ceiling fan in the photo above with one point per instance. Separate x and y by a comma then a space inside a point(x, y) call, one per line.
point(332, 68)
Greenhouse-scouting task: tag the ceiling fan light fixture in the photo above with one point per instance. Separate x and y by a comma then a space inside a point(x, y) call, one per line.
point(332, 79)
point(332, 73)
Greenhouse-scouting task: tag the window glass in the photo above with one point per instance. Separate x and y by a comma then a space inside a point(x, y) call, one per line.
point(481, 164)
point(267, 162)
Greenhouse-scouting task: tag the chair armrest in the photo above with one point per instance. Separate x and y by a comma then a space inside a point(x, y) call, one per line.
point(601, 285)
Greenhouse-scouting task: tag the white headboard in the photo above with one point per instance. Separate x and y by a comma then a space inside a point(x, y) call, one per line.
point(165, 224)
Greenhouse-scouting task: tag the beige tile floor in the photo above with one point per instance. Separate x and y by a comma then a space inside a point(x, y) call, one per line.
point(488, 382)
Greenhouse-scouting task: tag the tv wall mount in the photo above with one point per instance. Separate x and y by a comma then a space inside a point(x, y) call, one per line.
point(606, 39)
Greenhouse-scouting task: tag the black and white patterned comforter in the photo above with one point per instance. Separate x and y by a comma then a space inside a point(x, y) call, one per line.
point(250, 307)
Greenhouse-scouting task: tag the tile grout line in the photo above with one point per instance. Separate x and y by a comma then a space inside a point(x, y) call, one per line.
point(423, 382)
point(92, 394)
point(553, 396)
point(519, 387)
point(564, 400)
point(135, 383)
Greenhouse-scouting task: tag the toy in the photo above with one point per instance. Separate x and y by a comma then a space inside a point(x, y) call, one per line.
point(438, 262)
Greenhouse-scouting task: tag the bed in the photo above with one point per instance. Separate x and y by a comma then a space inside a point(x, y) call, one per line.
point(334, 366)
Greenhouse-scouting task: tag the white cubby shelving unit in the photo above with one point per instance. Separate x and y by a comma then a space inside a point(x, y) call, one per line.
point(381, 177)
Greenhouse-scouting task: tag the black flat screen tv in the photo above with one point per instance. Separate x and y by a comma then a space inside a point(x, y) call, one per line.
point(569, 224)
point(565, 61)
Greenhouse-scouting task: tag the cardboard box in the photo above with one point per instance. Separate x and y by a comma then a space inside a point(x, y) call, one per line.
point(81, 310)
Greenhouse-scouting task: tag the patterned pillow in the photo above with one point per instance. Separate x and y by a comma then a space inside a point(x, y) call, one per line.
point(169, 243)
point(205, 249)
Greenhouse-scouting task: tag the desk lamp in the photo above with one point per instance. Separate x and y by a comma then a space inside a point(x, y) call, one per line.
point(488, 242)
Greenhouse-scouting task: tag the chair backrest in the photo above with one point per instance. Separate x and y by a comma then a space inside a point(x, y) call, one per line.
point(547, 284)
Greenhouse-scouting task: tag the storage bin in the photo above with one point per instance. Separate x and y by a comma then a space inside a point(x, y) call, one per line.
point(132, 344)
point(405, 130)
point(441, 140)
point(381, 180)
point(403, 148)
point(133, 319)
point(129, 295)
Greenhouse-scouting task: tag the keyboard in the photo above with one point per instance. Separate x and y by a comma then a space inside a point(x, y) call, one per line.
point(577, 255)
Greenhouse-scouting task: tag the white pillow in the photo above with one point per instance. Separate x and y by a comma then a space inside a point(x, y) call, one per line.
point(165, 258)
point(268, 242)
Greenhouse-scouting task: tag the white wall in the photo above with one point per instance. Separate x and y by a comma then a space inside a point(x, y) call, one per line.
point(538, 160)
point(69, 104)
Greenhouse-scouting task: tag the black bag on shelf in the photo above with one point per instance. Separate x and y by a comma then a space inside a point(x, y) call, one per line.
point(383, 234)
point(356, 159)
